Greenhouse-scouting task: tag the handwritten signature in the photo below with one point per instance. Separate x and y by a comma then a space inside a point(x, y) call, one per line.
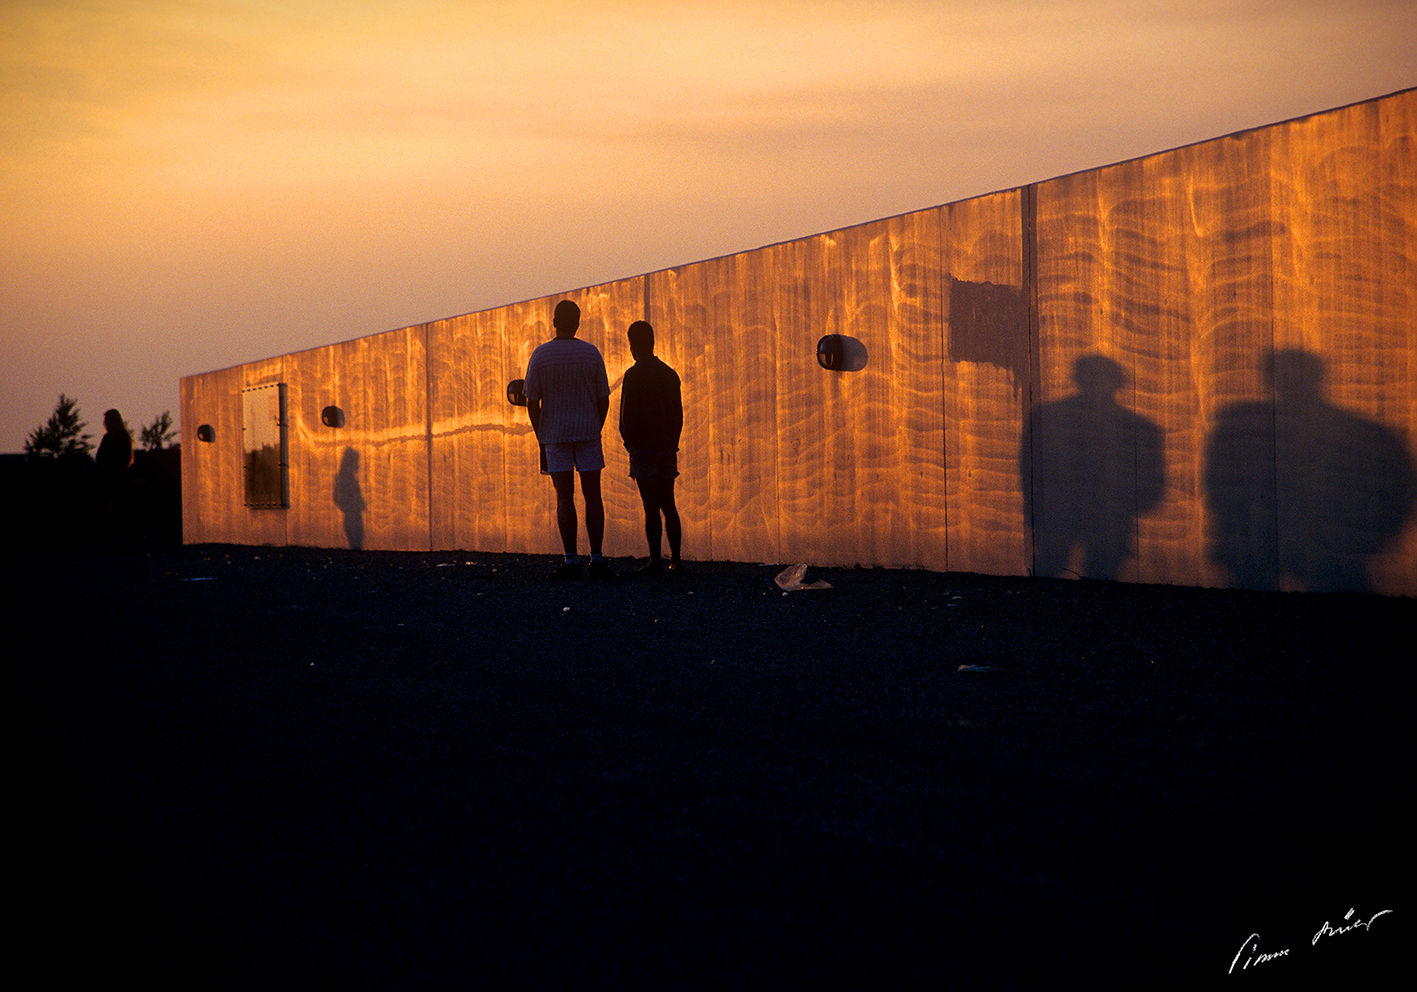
point(1331, 931)
point(1252, 944)
point(1251, 953)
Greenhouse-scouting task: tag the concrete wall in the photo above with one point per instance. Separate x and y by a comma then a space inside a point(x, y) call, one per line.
point(1198, 367)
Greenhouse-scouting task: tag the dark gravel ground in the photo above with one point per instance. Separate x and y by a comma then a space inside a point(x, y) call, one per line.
point(264, 768)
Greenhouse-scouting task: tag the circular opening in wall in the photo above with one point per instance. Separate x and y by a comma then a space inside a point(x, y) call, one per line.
point(206, 434)
point(841, 353)
point(515, 394)
point(332, 416)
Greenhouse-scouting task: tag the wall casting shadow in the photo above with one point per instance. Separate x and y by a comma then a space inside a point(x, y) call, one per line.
point(1088, 467)
point(1301, 492)
point(350, 499)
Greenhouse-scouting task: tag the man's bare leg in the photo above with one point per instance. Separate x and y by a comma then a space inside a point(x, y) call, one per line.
point(653, 529)
point(566, 511)
point(594, 510)
point(672, 529)
point(657, 495)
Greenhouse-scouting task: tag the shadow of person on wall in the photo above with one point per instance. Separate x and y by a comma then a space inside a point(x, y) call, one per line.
point(1089, 467)
point(350, 499)
point(1300, 491)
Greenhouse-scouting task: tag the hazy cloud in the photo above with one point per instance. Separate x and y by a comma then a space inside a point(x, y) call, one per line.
point(222, 178)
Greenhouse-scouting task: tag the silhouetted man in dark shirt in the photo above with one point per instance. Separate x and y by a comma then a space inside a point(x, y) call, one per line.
point(651, 419)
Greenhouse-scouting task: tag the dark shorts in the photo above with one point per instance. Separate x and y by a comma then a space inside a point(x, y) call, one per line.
point(649, 464)
point(582, 456)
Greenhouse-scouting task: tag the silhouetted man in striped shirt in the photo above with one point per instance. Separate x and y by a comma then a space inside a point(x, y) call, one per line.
point(567, 397)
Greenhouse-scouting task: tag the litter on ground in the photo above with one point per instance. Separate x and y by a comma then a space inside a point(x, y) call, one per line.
point(790, 580)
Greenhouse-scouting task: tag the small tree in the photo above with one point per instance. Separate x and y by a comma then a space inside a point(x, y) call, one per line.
point(62, 434)
point(159, 433)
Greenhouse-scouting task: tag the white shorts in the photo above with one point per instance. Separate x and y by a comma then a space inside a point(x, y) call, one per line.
point(582, 456)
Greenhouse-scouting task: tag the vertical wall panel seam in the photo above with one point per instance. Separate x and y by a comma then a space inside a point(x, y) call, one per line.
point(428, 431)
point(1271, 277)
point(283, 404)
point(1032, 387)
point(943, 352)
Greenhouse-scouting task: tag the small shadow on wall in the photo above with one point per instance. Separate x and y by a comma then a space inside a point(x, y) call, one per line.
point(1088, 468)
point(350, 498)
point(988, 323)
point(1300, 492)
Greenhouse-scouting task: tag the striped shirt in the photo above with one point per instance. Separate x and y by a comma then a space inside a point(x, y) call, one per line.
point(567, 376)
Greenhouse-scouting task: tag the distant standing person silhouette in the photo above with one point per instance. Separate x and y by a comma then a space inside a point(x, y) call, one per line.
point(651, 419)
point(567, 398)
point(114, 456)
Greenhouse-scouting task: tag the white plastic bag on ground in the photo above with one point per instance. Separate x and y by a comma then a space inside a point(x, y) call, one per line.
point(790, 580)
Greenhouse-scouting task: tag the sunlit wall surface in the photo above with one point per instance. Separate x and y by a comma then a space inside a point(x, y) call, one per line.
point(1198, 367)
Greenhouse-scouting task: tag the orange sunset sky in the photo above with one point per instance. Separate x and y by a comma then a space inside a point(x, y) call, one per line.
point(192, 184)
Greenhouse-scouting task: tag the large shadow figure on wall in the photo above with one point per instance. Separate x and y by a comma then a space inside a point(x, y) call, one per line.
point(350, 499)
point(1089, 467)
point(1300, 491)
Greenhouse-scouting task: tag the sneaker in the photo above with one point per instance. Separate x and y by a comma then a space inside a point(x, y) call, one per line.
point(600, 570)
point(674, 569)
point(566, 573)
point(654, 568)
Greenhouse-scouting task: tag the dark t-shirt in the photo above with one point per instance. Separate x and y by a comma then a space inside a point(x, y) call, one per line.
point(651, 409)
point(115, 454)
